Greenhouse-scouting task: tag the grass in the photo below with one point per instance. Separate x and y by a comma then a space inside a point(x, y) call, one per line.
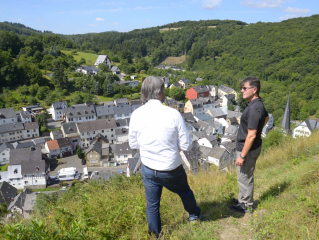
point(4, 167)
point(174, 60)
point(286, 186)
point(89, 57)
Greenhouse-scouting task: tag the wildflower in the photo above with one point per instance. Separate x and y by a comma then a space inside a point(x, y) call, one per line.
point(29, 232)
point(49, 216)
point(63, 228)
point(62, 221)
point(256, 215)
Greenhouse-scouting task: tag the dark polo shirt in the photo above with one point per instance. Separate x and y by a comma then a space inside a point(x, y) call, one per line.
point(253, 117)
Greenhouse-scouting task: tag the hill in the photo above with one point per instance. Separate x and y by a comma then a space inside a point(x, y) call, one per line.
point(286, 191)
point(20, 29)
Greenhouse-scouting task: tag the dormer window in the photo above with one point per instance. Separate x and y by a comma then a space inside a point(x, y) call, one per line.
point(15, 171)
point(37, 168)
point(92, 111)
point(86, 112)
point(78, 113)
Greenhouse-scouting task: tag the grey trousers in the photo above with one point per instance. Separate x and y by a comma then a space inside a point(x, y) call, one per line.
point(245, 177)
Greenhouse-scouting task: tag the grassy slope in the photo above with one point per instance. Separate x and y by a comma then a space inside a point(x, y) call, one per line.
point(287, 189)
point(89, 57)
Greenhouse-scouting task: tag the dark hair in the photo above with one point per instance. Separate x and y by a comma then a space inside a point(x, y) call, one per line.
point(151, 88)
point(253, 82)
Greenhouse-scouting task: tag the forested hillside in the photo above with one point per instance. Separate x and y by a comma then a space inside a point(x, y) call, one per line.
point(283, 55)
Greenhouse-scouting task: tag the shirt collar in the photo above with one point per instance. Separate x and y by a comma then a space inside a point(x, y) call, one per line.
point(254, 101)
point(154, 101)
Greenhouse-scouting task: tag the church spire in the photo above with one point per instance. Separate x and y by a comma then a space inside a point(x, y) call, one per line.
point(285, 121)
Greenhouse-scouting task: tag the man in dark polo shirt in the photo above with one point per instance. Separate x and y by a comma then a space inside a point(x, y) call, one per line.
point(248, 145)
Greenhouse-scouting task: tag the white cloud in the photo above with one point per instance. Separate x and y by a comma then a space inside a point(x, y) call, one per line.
point(262, 3)
point(19, 19)
point(115, 23)
point(288, 17)
point(211, 4)
point(297, 10)
point(92, 25)
point(99, 19)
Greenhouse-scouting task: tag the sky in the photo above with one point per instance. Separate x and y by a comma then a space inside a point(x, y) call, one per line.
point(85, 16)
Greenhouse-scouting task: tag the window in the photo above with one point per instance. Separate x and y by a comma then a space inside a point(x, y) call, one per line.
point(93, 161)
point(125, 156)
point(79, 118)
point(87, 133)
point(112, 135)
point(35, 181)
point(82, 134)
point(28, 130)
point(26, 182)
point(15, 171)
point(4, 159)
point(74, 141)
point(102, 131)
point(112, 130)
point(118, 156)
point(3, 154)
point(93, 132)
point(12, 120)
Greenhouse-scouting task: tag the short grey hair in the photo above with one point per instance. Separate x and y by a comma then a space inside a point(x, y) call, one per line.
point(152, 87)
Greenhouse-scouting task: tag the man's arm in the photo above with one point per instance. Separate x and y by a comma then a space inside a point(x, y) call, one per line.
point(248, 143)
point(184, 141)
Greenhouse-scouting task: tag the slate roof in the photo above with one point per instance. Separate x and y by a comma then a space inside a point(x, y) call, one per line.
point(24, 114)
point(230, 146)
point(234, 114)
point(115, 69)
point(121, 101)
point(100, 136)
point(123, 122)
point(204, 117)
point(109, 103)
point(136, 102)
point(64, 142)
point(100, 59)
point(7, 113)
point(188, 117)
point(176, 84)
point(33, 167)
point(69, 127)
point(132, 162)
point(103, 175)
point(79, 111)
point(199, 79)
point(18, 201)
point(19, 145)
point(30, 154)
point(170, 102)
point(312, 124)
point(104, 110)
point(217, 152)
point(121, 131)
point(123, 109)
point(3, 146)
point(217, 112)
point(11, 127)
point(201, 89)
point(95, 146)
point(232, 130)
point(193, 156)
point(200, 134)
point(204, 151)
point(7, 192)
point(233, 121)
point(59, 105)
point(185, 80)
point(230, 96)
point(31, 125)
point(124, 148)
point(226, 89)
point(96, 125)
point(196, 103)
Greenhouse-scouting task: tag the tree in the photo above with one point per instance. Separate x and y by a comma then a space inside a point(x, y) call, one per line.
point(177, 93)
point(109, 89)
point(231, 107)
point(79, 152)
point(77, 99)
point(41, 119)
point(82, 61)
point(59, 78)
point(42, 92)
point(32, 100)
point(97, 88)
point(103, 67)
point(242, 102)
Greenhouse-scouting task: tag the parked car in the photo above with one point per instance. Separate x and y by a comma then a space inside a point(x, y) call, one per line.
point(83, 161)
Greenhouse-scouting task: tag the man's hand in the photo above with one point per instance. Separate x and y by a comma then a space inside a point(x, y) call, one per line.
point(239, 161)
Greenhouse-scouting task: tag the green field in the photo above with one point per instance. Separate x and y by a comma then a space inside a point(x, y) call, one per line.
point(89, 57)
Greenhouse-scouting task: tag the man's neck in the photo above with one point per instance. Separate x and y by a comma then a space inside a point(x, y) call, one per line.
point(253, 98)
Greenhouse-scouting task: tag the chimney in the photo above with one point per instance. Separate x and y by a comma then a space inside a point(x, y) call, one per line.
point(12, 199)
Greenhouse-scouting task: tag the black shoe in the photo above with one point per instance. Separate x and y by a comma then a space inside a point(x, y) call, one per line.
point(235, 201)
point(241, 208)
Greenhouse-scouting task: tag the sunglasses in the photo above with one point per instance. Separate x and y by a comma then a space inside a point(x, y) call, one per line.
point(245, 88)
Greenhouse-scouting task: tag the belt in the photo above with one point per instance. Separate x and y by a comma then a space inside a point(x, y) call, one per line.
point(175, 169)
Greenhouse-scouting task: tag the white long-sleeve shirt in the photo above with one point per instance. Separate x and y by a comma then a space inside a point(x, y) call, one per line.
point(159, 132)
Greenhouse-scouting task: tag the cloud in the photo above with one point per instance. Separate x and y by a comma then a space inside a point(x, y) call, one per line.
point(92, 25)
point(148, 21)
point(99, 19)
point(288, 17)
point(262, 3)
point(115, 23)
point(211, 4)
point(117, 9)
point(19, 19)
point(297, 10)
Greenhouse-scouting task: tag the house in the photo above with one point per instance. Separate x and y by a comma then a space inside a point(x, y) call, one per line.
point(7, 115)
point(208, 141)
point(122, 111)
point(88, 130)
point(24, 116)
point(121, 101)
point(129, 83)
point(39, 142)
point(306, 128)
point(106, 111)
point(203, 117)
point(123, 152)
point(227, 100)
point(115, 70)
point(175, 85)
point(194, 106)
point(166, 81)
point(121, 135)
point(197, 92)
point(216, 113)
point(185, 83)
point(7, 192)
point(56, 110)
point(211, 127)
point(103, 59)
point(56, 134)
point(25, 144)
point(136, 104)
point(180, 107)
point(224, 90)
point(59, 148)
point(191, 158)
point(11, 132)
point(70, 130)
point(208, 102)
point(134, 165)
point(199, 79)
point(88, 70)
point(33, 108)
point(188, 117)
point(212, 91)
point(5, 153)
point(94, 154)
point(233, 114)
point(82, 113)
point(122, 123)
point(31, 130)
point(232, 121)
point(171, 103)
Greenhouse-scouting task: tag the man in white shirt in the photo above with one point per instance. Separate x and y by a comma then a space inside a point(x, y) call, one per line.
point(160, 132)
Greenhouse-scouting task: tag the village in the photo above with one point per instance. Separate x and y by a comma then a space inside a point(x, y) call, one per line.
point(92, 139)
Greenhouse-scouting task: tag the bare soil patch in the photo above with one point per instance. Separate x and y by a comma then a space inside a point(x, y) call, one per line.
point(174, 60)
